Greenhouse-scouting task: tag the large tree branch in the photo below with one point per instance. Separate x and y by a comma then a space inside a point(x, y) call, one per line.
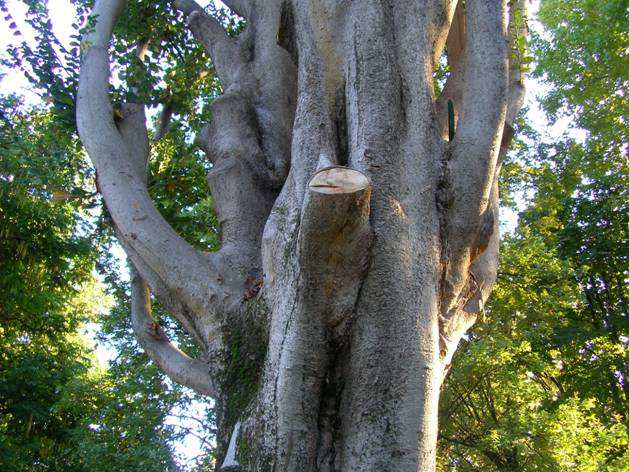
point(238, 181)
point(518, 34)
point(455, 43)
point(119, 155)
point(263, 77)
point(175, 363)
point(480, 282)
point(485, 255)
point(223, 50)
point(132, 129)
point(484, 251)
point(239, 7)
point(242, 175)
point(474, 152)
point(483, 108)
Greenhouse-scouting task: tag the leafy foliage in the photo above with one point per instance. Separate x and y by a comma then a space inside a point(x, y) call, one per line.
point(58, 408)
point(526, 394)
point(583, 54)
point(47, 250)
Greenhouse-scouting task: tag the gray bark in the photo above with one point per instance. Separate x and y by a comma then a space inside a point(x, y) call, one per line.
point(358, 243)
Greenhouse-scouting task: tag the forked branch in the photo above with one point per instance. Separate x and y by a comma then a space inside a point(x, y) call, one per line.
point(483, 253)
point(239, 7)
point(453, 88)
point(167, 299)
point(483, 108)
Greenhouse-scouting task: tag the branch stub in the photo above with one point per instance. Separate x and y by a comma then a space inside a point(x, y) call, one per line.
point(338, 180)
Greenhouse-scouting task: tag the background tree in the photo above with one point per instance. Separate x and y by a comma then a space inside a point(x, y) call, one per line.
point(59, 408)
point(44, 263)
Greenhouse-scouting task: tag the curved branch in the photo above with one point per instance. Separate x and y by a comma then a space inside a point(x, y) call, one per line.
point(132, 128)
point(186, 272)
point(175, 363)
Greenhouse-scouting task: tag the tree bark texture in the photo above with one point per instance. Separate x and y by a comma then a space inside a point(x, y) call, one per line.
point(358, 212)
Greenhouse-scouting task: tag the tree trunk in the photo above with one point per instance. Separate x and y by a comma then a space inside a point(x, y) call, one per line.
point(358, 219)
